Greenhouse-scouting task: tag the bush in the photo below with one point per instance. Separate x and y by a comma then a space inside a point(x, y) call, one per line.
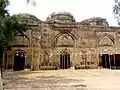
point(48, 68)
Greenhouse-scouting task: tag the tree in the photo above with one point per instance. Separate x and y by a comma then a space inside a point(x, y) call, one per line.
point(31, 1)
point(116, 11)
point(9, 27)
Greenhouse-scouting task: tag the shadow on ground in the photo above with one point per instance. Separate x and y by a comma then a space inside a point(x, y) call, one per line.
point(20, 80)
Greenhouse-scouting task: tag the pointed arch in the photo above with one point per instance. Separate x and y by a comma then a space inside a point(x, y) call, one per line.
point(107, 36)
point(70, 34)
point(65, 51)
point(18, 50)
point(64, 39)
point(23, 35)
point(21, 40)
point(64, 59)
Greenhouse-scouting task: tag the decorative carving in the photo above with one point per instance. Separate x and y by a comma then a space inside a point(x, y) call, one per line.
point(64, 40)
point(106, 41)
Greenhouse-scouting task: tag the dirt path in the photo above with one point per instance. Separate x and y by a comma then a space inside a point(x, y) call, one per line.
point(95, 79)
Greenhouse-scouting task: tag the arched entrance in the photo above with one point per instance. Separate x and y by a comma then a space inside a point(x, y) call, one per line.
point(105, 60)
point(109, 60)
point(19, 61)
point(64, 60)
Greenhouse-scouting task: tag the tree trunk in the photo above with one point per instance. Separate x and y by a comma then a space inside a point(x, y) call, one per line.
point(1, 60)
point(1, 83)
point(1, 74)
point(1, 66)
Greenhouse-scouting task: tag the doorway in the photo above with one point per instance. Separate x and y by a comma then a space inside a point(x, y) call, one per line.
point(19, 61)
point(64, 60)
point(117, 61)
point(105, 61)
point(110, 61)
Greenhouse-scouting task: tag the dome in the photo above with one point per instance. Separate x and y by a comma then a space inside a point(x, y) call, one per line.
point(61, 17)
point(29, 17)
point(95, 21)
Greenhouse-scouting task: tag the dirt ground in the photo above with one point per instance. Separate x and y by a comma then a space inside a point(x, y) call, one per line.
point(91, 79)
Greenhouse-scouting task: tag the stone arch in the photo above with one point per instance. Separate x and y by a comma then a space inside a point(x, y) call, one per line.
point(21, 40)
point(106, 39)
point(18, 50)
point(64, 39)
point(19, 58)
point(64, 59)
point(106, 58)
point(65, 50)
point(106, 51)
point(70, 34)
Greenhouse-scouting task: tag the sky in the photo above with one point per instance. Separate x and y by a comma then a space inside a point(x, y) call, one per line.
point(80, 9)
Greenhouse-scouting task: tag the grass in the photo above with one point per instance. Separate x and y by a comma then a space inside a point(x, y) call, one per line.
point(79, 85)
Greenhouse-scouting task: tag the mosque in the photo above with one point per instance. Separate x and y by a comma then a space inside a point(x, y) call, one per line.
point(62, 43)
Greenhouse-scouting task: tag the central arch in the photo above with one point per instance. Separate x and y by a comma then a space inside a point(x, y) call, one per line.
point(64, 60)
point(19, 61)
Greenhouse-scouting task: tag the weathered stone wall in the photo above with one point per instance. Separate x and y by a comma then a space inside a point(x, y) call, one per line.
point(44, 42)
point(89, 41)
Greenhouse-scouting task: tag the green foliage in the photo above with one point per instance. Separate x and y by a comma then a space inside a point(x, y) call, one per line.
point(31, 2)
point(3, 5)
point(79, 85)
point(9, 26)
point(116, 10)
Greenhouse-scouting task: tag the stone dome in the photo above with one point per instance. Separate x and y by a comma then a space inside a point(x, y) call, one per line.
point(29, 17)
point(61, 17)
point(95, 21)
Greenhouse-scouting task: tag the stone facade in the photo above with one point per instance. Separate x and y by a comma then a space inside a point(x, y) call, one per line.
point(61, 42)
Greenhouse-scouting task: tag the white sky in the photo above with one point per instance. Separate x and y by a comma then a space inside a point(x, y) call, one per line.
point(80, 9)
